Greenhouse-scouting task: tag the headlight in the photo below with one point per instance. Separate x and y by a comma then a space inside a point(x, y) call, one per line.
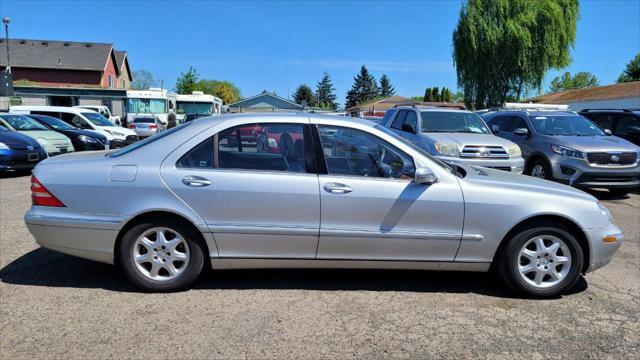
point(514, 150)
point(117, 133)
point(3, 146)
point(605, 212)
point(42, 141)
point(563, 150)
point(87, 139)
point(448, 149)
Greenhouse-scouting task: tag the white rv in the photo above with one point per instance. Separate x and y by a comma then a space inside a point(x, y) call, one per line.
point(152, 102)
point(197, 102)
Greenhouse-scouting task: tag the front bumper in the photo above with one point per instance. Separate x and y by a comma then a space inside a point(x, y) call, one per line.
point(600, 252)
point(21, 159)
point(580, 174)
point(515, 165)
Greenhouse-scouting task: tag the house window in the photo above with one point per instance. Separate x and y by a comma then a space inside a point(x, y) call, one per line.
point(111, 83)
point(122, 86)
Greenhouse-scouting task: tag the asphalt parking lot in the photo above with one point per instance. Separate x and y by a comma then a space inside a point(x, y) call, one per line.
point(54, 305)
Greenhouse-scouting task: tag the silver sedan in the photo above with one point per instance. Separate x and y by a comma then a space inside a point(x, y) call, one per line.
point(300, 190)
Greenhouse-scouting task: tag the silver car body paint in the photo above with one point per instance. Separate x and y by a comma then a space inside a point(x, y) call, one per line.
point(281, 219)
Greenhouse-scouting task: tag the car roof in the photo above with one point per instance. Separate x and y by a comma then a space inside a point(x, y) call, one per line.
point(426, 108)
point(279, 117)
point(73, 110)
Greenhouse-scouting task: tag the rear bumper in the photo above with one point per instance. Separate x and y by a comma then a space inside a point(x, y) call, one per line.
point(515, 165)
point(601, 252)
point(146, 133)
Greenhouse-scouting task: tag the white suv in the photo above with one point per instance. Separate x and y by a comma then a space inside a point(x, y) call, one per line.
point(104, 111)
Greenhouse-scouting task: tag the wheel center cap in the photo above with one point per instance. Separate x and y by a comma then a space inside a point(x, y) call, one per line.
point(162, 254)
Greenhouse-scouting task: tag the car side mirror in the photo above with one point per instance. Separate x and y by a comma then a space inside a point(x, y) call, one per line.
point(495, 129)
point(633, 130)
point(607, 131)
point(521, 131)
point(425, 176)
point(408, 128)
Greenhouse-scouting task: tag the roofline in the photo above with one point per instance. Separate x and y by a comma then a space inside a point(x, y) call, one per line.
point(265, 93)
point(60, 41)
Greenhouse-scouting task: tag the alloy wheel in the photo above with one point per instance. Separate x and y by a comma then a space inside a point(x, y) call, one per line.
point(160, 254)
point(538, 171)
point(544, 261)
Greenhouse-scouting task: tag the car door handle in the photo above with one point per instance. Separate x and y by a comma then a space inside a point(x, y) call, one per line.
point(337, 188)
point(195, 181)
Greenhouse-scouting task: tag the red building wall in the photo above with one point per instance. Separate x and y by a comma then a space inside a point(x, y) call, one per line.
point(110, 70)
point(56, 77)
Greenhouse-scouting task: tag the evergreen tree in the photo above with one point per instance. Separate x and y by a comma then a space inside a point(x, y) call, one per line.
point(632, 71)
point(187, 82)
point(386, 89)
point(364, 88)
point(325, 96)
point(435, 94)
point(304, 94)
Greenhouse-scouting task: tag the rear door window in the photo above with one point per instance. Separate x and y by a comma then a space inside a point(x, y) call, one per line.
point(397, 122)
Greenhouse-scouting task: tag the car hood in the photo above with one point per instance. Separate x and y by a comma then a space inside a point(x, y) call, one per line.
point(477, 175)
point(18, 141)
point(46, 134)
point(462, 139)
point(592, 143)
point(119, 129)
point(90, 133)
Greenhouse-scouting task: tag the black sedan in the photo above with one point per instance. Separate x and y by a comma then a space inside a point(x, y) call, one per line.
point(81, 139)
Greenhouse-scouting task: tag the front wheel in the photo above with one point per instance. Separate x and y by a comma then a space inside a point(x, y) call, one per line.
point(540, 169)
point(161, 255)
point(541, 262)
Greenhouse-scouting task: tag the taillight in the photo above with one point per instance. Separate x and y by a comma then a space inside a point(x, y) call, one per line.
point(132, 126)
point(41, 196)
point(153, 126)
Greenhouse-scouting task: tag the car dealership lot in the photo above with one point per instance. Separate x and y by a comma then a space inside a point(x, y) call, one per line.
point(53, 305)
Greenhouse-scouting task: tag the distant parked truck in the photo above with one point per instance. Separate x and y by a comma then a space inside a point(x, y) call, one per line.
point(104, 111)
point(197, 102)
point(154, 102)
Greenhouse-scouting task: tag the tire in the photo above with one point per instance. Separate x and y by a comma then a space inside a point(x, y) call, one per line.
point(164, 266)
point(540, 168)
point(511, 261)
point(619, 192)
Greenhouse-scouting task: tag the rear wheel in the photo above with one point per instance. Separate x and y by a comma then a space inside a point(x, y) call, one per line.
point(161, 255)
point(541, 262)
point(540, 168)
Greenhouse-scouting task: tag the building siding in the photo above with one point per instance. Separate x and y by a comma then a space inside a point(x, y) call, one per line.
point(110, 70)
point(55, 77)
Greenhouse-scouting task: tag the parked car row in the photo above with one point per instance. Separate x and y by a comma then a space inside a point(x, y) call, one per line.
point(56, 130)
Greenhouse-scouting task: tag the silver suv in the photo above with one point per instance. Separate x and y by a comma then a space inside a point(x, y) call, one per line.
point(454, 136)
point(564, 146)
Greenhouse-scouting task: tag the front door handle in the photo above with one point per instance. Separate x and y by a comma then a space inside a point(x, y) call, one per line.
point(337, 188)
point(195, 181)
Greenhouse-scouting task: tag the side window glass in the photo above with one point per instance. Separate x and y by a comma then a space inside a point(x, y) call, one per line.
point(604, 121)
point(387, 117)
point(357, 153)
point(410, 122)
point(625, 123)
point(200, 156)
point(397, 122)
point(275, 147)
point(518, 123)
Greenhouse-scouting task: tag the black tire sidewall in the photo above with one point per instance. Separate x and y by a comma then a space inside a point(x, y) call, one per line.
point(545, 166)
point(182, 281)
point(510, 257)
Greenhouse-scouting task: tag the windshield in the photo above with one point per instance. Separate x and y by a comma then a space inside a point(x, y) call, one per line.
point(2, 128)
point(415, 148)
point(97, 119)
point(23, 123)
point(445, 121)
point(565, 125)
point(147, 141)
point(147, 106)
point(187, 107)
point(55, 123)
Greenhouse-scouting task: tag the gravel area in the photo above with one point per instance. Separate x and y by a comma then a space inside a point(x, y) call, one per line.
point(55, 306)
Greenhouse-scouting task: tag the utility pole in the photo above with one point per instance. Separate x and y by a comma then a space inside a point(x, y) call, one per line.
point(5, 21)
point(6, 79)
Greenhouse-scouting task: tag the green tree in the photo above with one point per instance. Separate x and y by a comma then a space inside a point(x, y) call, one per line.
point(417, 98)
point(304, 95)
point(503, 47)
point(386, 89)
point(186, 82)
point(225, 90)
point(632, 71)
point(142, 80)
point(364, 88)
point(325, 93)
point(578, 81)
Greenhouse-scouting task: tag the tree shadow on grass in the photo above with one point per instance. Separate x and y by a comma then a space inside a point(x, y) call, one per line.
point(42, 267)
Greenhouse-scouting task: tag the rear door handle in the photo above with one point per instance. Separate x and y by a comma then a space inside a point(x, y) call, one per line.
point(195, 181)
point(337, 188)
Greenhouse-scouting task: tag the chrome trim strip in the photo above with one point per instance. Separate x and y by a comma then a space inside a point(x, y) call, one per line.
point(426, 235)
point(247, 263)
point(472, 237)
point(262, 229)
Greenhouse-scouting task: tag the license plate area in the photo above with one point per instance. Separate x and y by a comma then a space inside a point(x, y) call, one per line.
point(33, 157)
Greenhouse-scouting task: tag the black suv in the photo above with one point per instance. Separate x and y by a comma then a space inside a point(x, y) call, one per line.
point(624, 123)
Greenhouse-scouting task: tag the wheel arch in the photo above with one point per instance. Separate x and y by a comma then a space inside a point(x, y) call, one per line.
point(549, 220)
point(533, 157)
point(154, 215)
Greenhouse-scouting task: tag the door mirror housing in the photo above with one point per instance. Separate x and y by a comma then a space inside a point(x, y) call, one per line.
point(495, 129)
point(521, 132)
point(425, 176)
point(608, 132)
point(633, 130)
point(408, 128)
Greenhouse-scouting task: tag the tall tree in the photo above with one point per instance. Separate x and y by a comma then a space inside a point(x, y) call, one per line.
point(142, 80)
point(186, 82)
point(325, 93)
point(304, 95)
point(225, 90)
point(503, 47)
point(364, 88)
point(386, 89)
point(632, 71)
point(578, 81)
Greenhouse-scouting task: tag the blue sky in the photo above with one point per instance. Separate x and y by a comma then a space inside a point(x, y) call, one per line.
point(279, 45)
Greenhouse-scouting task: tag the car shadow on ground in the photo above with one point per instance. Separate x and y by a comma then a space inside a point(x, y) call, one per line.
point(606, 195)
point(14, 174)
point(42, 267)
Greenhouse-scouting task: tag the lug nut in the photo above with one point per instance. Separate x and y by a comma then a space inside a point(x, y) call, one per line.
point(155, 257)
